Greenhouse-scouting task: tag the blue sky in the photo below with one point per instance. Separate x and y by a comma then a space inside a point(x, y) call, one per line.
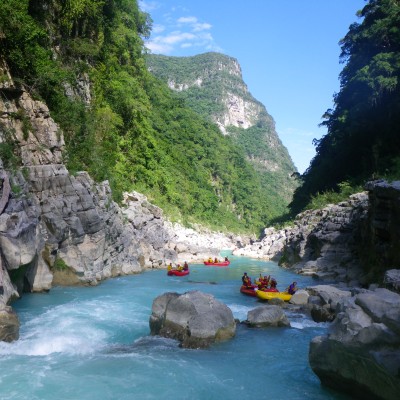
point(288, 51)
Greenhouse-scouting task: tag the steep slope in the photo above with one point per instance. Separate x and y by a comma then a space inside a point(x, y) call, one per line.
point(212, 85)
point(84, 60)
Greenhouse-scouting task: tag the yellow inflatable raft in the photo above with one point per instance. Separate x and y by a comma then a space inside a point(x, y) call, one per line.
point(285, 296)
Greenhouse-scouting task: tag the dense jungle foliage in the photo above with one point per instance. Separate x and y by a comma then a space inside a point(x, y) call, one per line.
point(132, 130)
point(207, 83)
point(363, 138)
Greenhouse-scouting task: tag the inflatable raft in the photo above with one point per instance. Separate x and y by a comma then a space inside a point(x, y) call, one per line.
point(273, 295)
point(217, 264)
point(176, 272)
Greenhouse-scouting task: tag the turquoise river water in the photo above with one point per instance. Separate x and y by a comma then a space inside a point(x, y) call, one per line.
point(94, 343)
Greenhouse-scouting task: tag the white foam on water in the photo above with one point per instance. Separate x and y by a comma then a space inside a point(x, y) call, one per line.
point(308, 323)
point(240, 311)
point(72, 328)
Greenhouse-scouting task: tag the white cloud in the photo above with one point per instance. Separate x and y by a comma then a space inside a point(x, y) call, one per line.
point(148, 6)
point(174, 32)
point(187, 20)
point(159, 48)
point(194, 24)
point(201, 27)
point(176, 37)
point(158, 28)
point(165, 44)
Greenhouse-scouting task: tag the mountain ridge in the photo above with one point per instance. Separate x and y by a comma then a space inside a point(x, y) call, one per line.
point(212, 85)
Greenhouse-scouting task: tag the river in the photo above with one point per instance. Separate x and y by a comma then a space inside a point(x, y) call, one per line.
point(94, 343)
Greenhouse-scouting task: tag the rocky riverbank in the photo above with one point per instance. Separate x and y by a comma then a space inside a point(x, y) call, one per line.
point(350, 244)
point(360, 354)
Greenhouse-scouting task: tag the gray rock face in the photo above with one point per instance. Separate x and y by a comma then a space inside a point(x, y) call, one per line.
point(9, 325)
point(382, 235)
point(55, 228)
point(337, 243)
point(392, 279)
point(361, 353)
point(268, 315)
point(300, 297)
point(324, 300)
point(322, 243)
point(194, 318)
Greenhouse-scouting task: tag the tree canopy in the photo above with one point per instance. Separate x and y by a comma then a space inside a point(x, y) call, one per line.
point(362, 140)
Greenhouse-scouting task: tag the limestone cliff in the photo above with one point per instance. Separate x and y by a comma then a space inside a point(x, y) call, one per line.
point(54, 225)
point(63, 229)
point(351, 243)
point(233, 104)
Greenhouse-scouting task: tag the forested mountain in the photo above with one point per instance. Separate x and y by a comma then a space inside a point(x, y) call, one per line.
point(363, 139)
point(212, 85)
point(85, 60)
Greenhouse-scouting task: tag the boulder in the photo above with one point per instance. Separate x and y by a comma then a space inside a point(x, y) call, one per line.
point(329, 295)
point(360, 355)
point(9, 324)
point(321, 314)
point(194, 318)
point(268, 315)
point(300, 297)
point(392, 279)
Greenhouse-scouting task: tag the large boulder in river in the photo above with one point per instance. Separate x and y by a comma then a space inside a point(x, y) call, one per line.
point(194, 318)
point(360, 355)
point(265, 316)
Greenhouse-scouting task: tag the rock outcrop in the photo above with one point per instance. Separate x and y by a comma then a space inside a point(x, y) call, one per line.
point(322, 243)
point(194, 318)
point(381, 237)
point(360, 355)
point(162, 242)
point(352, 243)
point(9, 324)
point(56, 226)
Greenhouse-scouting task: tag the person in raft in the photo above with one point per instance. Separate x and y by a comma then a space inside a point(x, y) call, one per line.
point(292, 288)
point(210, 260)
point(216, 260)
point(226, 259)
point(273, 283)
point(246, 281)
point(169, 267)
point(185, 266)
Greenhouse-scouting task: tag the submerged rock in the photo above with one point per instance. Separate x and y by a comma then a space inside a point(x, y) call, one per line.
point(194, 318)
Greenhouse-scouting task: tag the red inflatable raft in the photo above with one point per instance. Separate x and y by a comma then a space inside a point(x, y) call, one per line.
point(249, 290)
point(175, 272)
point(217, 264)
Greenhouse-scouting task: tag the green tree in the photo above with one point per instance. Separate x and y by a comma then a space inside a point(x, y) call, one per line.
point(362, 139)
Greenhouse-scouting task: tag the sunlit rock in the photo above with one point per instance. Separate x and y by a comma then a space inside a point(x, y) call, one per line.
point(194, 318)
